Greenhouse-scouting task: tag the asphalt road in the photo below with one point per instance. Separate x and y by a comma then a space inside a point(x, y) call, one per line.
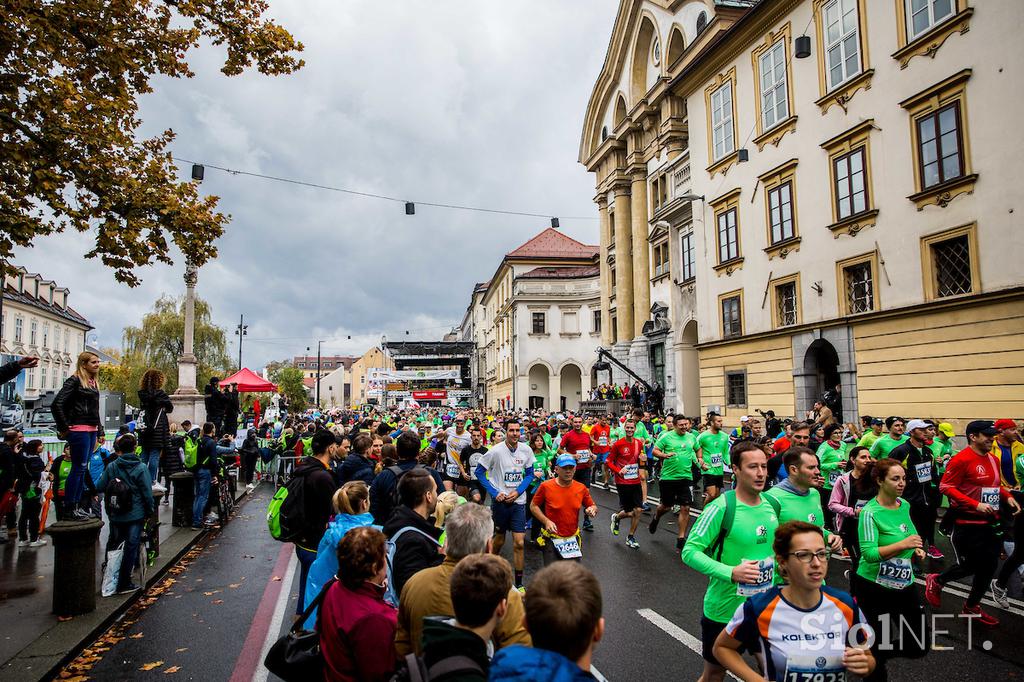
point(223, 609)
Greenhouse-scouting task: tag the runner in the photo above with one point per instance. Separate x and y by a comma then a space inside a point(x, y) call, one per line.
point(577, 443)
point(831, 456)
point(973, 485)
point(470, 457)
point(453, 472)
point(731, 543)
point(626, 458)
point(506, 471)
point(922, 477)
point(885, 444)
point(797, 498)
point(885, 577)
point(714, 447)
point(677, 450)
point(852, 491)
point(805, 631)
point(601, 444)
point(557, 504)
point(871, 434)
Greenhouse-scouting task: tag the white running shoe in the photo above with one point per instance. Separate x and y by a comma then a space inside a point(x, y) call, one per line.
point(999, 595)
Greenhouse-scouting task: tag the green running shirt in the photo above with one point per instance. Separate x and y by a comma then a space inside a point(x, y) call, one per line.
point(683, 450)
point(715, 451)
point(886, 444)
point(831, 461)
point(879, 527)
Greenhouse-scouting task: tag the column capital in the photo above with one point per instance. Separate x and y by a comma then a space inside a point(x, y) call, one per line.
point(637, 172)
point(602, 201)
point(621, 188)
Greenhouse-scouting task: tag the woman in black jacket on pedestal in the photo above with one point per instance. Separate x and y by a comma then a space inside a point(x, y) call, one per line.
point(155, 405)
point(76, 415)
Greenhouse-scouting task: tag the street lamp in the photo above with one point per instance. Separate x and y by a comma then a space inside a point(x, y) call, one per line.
point(318, 344)
point(241, 330)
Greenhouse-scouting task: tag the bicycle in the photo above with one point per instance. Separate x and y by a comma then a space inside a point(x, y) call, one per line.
point(227, 485)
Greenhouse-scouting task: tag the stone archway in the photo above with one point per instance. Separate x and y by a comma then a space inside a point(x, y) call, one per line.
point(823, 359)
point(538, 384)
point(688, 370)
point(571, 377)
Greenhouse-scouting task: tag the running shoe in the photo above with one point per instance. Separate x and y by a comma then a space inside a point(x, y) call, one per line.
point(615, 524)
point(984, 618)
point(37, 543)
point(23, 543)
point(935, 553)
point(128, 589)
point(589, 527)
point(654, 525)
point(933, 590)
point(632, 543)
point(646, 507)
point(1000, 596)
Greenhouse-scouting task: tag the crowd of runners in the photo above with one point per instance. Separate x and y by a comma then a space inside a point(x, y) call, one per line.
point(779, 500)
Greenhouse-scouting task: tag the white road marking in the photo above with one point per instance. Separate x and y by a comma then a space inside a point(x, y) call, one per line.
point(676, 632)
point(273, 632)
point(598, 675)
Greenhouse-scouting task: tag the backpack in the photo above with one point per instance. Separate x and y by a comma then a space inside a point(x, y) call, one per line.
point(286, 513)
point(390, 595)
point(714, 550)
point(118, 495)
point(307, 447)
point(399, 472)
point(414, 668)
point(191, 448)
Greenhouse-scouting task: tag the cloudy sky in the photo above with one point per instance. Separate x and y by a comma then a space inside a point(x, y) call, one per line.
point(476, 103)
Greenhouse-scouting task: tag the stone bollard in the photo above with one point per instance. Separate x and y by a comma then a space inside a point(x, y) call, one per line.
point(184, 496)
point(74, 566)
point(153, 524)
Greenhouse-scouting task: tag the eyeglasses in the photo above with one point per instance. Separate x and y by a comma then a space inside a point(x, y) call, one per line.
point(821, 555)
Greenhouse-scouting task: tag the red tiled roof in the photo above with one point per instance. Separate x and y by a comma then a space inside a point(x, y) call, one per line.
point(309, 382)
point(570, 272)
point(553, 244)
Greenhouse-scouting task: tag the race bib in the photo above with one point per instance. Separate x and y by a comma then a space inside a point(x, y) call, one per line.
point(582, 456)
point(630, 472)
point(602, 441)
point(895, 573)
point(860, 504)
point(990, 496)
point(567, 548)
point(833, 476)
point(924, 472)
point(815, 669)
point(716, 459)
point(765, 578)
point(513, 478)
point(452, 470)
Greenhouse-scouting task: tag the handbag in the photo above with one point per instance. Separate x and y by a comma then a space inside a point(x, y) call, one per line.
point(7, 502)
point(296, 656)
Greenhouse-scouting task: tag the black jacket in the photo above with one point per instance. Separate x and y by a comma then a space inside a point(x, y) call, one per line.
point(206, 456)
point(355, 467)
point(413, 552)
point(442, 640)
point(9, 467)
point(30, 473)
point(231, 404)
point(157, 434)
point(318, 494)
point(383, 489)
point(76, 405)
point(214, 402)
point(910, 457)
point(9, 371)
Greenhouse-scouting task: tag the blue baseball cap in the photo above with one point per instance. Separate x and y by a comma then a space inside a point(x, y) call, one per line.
point(565, 461)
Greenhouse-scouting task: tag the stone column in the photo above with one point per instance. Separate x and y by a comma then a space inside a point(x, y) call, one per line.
point(641, 255)
point(555, 392)
point(188, 402)
point(606, 273)
point(623, 264)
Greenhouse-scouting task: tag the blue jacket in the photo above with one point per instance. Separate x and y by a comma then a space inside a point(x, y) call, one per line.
point(132, 471)
point(518, 663)
point(355, 467)
point(97, 463)
point(326, 564)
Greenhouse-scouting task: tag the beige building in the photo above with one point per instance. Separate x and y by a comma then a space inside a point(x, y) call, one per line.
point(849, 194)
point(361, 390)
point(37, 320)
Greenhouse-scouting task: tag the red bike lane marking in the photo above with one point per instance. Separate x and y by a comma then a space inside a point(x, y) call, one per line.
point(249, 659)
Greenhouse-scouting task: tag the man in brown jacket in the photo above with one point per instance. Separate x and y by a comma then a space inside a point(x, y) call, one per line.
point(468, 530)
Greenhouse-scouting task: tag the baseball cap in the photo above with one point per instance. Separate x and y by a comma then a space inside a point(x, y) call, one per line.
point(946, 429)
point(744, 419)
point(980, 426)
point(877, 422)
point(565, 461)
point(1004, 424)
point(917, 424)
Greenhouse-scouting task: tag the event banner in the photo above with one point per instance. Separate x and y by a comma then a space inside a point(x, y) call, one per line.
point(377, 374)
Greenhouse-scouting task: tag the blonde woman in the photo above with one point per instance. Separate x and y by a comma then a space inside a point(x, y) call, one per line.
point(76, 414)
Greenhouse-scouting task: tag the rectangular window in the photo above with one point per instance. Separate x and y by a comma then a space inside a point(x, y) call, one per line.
point(66, 341)
point(939, 146)
point(30, 379)
point(780, 212)
point(570, 323)
point(774, 100)
point(42, 378)
point(842, 42)
point(723, 142)
point(728, 236)
point(859, 286)
point(658, 363)
point(18, 326)
point(56, 338)
point(611, 230)
point(924, 14)
point(952, 263)
point(736, 388)
point(786, 304)
point(46, 335)
point(33, 332)
point(597, 322)
point(3, 326)
point(661, 266)
point(538, 323)
point(851, 193)
point(732, 324)
point(689, 264)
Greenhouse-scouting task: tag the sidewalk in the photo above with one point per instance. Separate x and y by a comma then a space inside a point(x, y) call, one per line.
point(33, 640)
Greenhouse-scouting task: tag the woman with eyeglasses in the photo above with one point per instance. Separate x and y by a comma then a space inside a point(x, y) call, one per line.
point(884, 582)
point(803, 629)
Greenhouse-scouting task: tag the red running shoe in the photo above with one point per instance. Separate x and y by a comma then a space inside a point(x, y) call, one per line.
point(986, 619)
point(933, 590)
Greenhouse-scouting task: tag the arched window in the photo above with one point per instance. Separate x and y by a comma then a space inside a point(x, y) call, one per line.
point(604, 133)
point(620, 111)
point(702, 22)
point(676, 45)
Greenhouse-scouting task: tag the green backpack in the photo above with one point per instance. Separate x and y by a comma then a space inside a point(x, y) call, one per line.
point(286, 512)
point(307, 447)
point(191, 452)
point(714, 550)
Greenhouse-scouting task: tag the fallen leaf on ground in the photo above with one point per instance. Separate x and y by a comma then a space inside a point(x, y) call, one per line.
point(172, 669)
point(235, 586)
point(152, 666)
point(212, 592)
point(64, 619)
point(218, 601)
point(139, 635)
point(178, 651)
point(277, 578)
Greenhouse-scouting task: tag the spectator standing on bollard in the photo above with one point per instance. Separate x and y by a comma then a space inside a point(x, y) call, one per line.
point(30, 470)
point(155, 433)
point(129, 498)
point(76, 415)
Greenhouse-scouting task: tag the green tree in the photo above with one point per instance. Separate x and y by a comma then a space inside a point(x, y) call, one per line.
point(72, 74)
point(289, 382)
point(159, 341)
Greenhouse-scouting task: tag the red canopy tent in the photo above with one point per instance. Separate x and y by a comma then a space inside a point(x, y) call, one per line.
point(249, 382)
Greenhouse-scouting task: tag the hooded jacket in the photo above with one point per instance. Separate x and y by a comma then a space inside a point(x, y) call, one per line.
point(525, 664)
point(356, 631)
point(442, 639)
point(413, 552)
point(318, 493)
point(356, 467)
point(132, 471)
point(326, 564)
point(157, 434)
